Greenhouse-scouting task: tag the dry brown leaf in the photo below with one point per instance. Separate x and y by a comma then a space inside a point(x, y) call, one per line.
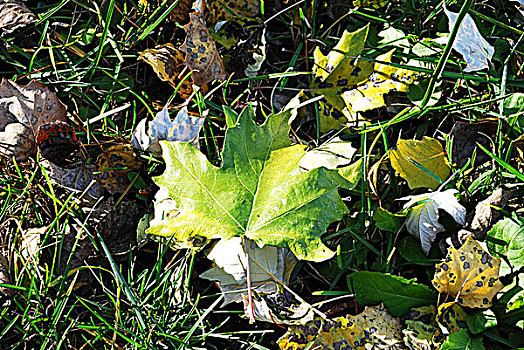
point(486, 214)
point(114, 165)
point(180, 13)
point(14, 15)
point(201, 52)
point(22, 110)
point(77, 178)
point(4, 274)
point(465, 137)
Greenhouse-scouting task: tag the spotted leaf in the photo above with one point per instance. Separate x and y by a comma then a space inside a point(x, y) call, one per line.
point(469, 274)
point(374, 328)
point(113, 166)
point(223, 10)
point(201, 52)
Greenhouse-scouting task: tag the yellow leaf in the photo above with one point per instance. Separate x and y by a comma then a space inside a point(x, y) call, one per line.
point(469, 274)
point(370, 3)
point(451, 316)
point(428, 154)
point(374, 327)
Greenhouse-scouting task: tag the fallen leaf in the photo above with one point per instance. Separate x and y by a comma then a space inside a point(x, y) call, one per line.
point(398, 294)
point(245, 41)
point(78, 178)
point(231, 268)
point(418, 335)
point(14, 15)
point(167, 62)
point(469, 274)
point(351, 84)
point(387, 221)
point(465, 137)
point(201, 53)
point(57, 141)
point(428, 154)
point(23, 109)
point(422, 221)
point(114, 165)
point(4, 275)
point(224, 10)
point(374, 328)
point(486, 212)
point(180, 13)
point(183, 128)
point(462, 340)
point(29, 244)
point(451, 317)
point(259, 192)
point(477, 52)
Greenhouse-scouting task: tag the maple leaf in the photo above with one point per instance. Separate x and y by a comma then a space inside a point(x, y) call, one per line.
point(351, 84)
point(469, 274)
point(422, 221)
point(259, 192)
point(374, 328)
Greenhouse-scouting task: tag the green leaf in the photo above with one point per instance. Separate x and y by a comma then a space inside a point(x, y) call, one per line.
point(512, 233)
point(480, 321)
point(259, 192)
point(398, 294)
point(387, 221)
point(462, 340)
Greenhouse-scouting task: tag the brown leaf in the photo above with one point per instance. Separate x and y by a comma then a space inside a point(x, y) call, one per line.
point(22, 110)
point(77, 178)
point(201, 52)
point(4, 274)
point(486, 214)
point(14, 15)
point(226, 9)
point(465, 137)
point(180, 13)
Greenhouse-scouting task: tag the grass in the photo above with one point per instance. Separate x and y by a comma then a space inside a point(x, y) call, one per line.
point(70, 290)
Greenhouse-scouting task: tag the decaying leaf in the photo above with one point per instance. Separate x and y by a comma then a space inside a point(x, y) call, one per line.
point(184, 128)
point(224, 10)
point(350, 84)
point(451, 317)
point(201, 52)
point(465, 137)
point(245, 41)
point(427, 154)
point(22, 110)
point(4, 275)
point(259, 192)
point(78, 178)
point(477, 52)
point(469, 274)
point(422, 221)
point(374, 328)
point(29, 244)
point(418, 335)
point(180, 13)
point(486, 212)
point(167, 62)
point(114, 165)
point(57, 142)
point(14, 15)
point(231, 268)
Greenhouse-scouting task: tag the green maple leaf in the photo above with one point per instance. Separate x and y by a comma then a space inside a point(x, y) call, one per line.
point(259, 192)
point(350, 83)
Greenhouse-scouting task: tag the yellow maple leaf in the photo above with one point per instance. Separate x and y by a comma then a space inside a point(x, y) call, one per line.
point(372, 327)
point(411, 157)
point(469, 274)
point(451, 316)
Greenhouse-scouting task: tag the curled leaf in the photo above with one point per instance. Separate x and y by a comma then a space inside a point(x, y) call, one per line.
point(469, 274)
point(14, 15)
point(422, 221)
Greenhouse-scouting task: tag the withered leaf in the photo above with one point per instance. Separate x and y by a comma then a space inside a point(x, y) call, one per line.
point(224, 10)
point(114, 165)
point(486, 214)
point(201, 52)
point(465, 137)
point(22, 110)
point(14, 15)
